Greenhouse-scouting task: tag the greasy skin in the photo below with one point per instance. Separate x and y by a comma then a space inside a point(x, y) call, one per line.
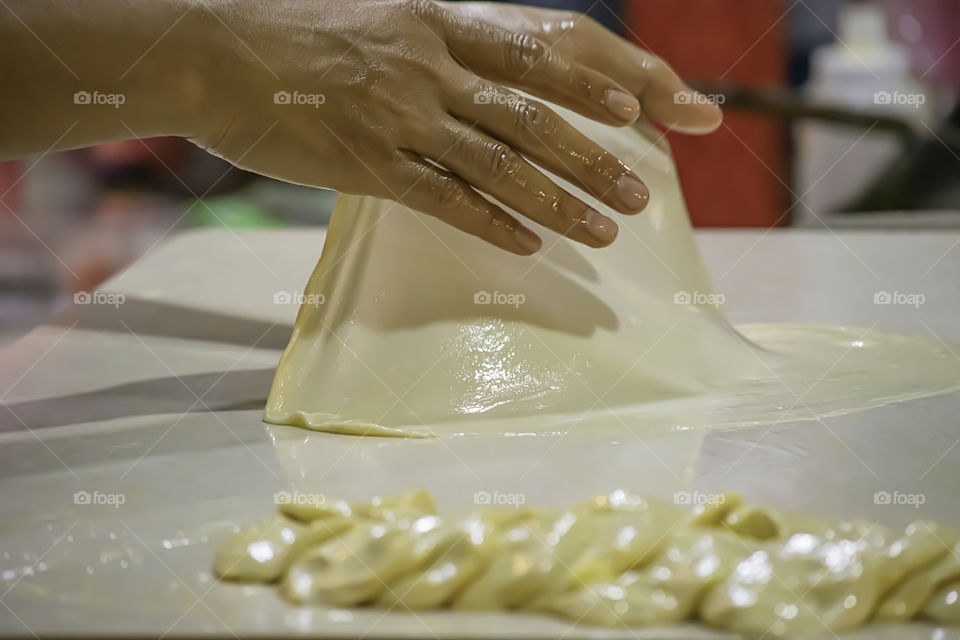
point(617, 560)
point(408, 100)
point(419, 109)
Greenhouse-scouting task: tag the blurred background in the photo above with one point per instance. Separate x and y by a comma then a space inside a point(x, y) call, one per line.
point(838, 113)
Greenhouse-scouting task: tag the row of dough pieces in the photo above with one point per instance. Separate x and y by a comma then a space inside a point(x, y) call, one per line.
point(618, 560)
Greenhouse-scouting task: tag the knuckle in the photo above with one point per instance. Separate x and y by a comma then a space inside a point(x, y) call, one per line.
point(524, 52)
point(425, 10)
point(414, 57)
point(532, 117)
point(504, 162)
point(446, 191)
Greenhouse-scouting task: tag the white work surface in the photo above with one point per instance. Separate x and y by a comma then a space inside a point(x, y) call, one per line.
point(159, 401)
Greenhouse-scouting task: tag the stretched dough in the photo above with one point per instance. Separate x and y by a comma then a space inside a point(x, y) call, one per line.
point(412, 328)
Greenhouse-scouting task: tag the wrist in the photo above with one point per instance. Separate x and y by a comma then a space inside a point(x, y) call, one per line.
point(173, 78)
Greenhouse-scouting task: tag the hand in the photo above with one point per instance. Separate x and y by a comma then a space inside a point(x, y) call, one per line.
point(663, 96)
point(409, 100)
point(401, 99)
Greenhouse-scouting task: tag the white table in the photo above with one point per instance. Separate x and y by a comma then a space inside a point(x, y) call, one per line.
point(159, 401)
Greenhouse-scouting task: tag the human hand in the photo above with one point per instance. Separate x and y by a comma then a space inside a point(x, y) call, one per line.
point(411, 100)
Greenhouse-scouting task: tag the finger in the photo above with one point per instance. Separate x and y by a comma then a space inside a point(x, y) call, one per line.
point(526, 62)
point(666, 98)
point(439, 193)
point(663, 95)
point(535, 130)
point(493, 167)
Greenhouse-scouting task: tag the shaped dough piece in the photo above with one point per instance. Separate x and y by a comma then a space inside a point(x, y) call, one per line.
point(944, 605)
point(805, 586)
point(357, 567)
point(665, 592)
point(262, 551)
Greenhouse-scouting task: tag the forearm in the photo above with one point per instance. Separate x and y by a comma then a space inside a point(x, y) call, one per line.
point(79, 73)
point(408, 100)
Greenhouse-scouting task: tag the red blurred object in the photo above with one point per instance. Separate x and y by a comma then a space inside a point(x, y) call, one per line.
point(9, 188)
point(735, 176)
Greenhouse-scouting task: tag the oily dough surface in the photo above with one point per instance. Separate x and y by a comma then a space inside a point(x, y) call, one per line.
point(619, 560)
point(411, 328)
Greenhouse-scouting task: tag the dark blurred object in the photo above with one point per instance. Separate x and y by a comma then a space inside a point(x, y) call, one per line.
point(735, 176)
point(809, 26)
point(789, 105)
point(926, 173)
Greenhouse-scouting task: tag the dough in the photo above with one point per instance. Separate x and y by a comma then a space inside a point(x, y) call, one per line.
point(425, 331)
point(617, 560)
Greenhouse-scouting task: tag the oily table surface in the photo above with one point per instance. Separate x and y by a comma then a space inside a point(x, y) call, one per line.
point(131, 440)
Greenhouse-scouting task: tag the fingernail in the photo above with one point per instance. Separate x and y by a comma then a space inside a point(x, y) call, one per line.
point(527, 240)
point(621, 104)
point(601, 227)
point(633, 193)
